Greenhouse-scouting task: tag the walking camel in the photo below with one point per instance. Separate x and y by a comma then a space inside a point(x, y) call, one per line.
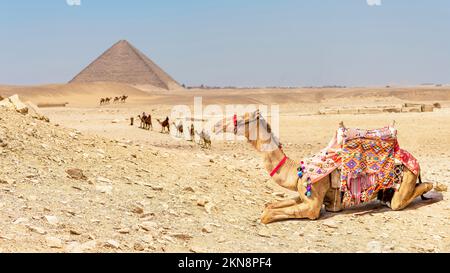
point(284, 171)
point(164, 125)
point(179, 128)
point(146, 122)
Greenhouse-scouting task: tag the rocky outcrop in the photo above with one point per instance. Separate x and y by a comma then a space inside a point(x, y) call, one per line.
point(14, 103)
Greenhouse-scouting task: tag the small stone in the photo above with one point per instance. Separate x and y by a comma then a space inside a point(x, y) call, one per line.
point(207, 228)
point(374, 247)
point(201, 202)
point(330, 224)
point(264, 233)
point(138, 247)
point(52, 220)
point(76, 174)
point(38, 230)
point(20, 220)
point(107, 189)
point(54, 242)
point(148, 225)
point(189, 189)
point(103, 180)
point(138, 209)
point(197, 249)
point(75, 232)
point(124, 231)
point(112, 244)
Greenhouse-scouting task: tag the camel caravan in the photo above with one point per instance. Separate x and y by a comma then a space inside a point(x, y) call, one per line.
point(115, 100)
point(146, 123)
point(357, 167)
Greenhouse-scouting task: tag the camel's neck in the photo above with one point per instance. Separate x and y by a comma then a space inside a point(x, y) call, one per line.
point(286, 176)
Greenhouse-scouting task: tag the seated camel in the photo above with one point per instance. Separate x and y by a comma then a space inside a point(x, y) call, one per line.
point(290, 175)
point(164, 125)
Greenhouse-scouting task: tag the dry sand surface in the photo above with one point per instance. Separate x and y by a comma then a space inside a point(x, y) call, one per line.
point(146, 191)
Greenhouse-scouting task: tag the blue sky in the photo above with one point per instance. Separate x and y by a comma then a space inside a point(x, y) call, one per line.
point(233, 42)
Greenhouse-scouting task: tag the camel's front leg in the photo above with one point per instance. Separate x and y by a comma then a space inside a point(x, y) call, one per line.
point(304, 207)
point(299, 211)
point(284, 203)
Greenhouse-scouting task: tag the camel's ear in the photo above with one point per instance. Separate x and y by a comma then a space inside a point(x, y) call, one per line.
point(341, 125)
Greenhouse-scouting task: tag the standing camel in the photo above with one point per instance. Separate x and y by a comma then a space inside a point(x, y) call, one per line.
point(179, 128)
point(123, 99)
point(205, 139)
point(164, 125)
point(284, 172)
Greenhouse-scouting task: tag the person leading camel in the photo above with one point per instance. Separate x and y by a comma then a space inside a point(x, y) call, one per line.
point(286, 172)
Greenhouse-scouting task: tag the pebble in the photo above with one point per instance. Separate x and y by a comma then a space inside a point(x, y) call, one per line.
point(138, 247)
point(38, 230)
point(124, 231)
point(52, 220)
point(201, 202)
point(207, 228)
point(148, 225)
point(54, 242)
point(330, 224)
point(112, 244)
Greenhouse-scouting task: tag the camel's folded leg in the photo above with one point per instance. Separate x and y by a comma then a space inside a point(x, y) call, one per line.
point(409, 190)
point(284, 203)
point(298, 211)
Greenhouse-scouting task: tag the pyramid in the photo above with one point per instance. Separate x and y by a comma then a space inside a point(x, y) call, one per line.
point(124, 63)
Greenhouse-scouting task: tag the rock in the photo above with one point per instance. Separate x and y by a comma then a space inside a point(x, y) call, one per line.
point(19, 106)
point(374, 247)
point(209, 207)
point(20, 220)
point(138, 209)
point(138, 247)
point(440, 187)
point(148, 225)
point(112, 244)
point(89, 245)
point(182, 236)
point(124, 231)
point(103, 180)
point(264, 233)
point(52, 220)
point(330, 224)
point(115, 121)
point(197, 249)
point(75, 232)
point(107, 189)
point(54, 242)
point(201, 202)
point(38, 230)
point(207, 228)
point(76, 174)
point(35, 112)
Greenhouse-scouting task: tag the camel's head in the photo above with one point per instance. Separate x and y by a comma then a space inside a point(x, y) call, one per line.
point(253, 127)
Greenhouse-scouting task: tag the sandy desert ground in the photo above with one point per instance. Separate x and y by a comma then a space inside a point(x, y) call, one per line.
point(146, 191)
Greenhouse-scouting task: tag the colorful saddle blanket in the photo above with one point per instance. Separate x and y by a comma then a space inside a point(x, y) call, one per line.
point(366, 160)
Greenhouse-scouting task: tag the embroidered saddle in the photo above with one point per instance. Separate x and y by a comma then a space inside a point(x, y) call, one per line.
point(368, 161)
